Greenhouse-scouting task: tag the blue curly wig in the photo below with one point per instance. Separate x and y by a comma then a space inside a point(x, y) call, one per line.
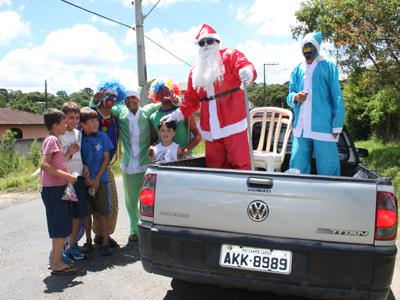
point(115, 85)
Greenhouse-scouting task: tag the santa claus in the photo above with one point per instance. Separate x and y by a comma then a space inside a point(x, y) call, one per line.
point(214, 86)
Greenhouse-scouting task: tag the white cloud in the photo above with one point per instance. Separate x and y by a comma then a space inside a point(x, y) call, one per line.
point(273, 18)
point(5, 2)
point(287, 56)
point(179, 43)
point(11, 26)
point(70, 59)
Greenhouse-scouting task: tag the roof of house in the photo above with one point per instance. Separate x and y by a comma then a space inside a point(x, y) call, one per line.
point(13, 116)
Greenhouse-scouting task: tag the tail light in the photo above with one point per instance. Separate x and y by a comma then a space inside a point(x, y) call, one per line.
point(147, 195)
point(386, 216)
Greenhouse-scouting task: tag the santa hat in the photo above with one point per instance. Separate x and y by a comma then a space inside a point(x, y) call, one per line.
point(314, 38)
point(207, 31)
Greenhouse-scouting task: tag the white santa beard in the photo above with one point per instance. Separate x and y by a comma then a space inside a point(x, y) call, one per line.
point(208, 69)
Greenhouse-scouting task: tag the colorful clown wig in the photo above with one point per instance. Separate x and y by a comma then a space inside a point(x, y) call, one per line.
point(114, 87)
point(158, 85)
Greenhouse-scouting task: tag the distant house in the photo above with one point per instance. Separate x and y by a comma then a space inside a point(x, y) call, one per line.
point(26, 125)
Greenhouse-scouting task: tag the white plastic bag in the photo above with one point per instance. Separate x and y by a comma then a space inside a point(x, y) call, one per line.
point(70, 194)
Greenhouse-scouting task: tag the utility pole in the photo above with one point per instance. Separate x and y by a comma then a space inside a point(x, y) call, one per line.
point(141, 57)
point(45, 93)
point(265, 84)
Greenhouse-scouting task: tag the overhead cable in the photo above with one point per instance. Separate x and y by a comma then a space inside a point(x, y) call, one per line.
point(144, 17)
point(130, 27)
point(97, 14)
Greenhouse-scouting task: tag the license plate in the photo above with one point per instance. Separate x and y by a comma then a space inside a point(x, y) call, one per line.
point(256, 259)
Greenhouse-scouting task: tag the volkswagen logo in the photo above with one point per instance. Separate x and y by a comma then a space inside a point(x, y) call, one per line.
point(258, 211)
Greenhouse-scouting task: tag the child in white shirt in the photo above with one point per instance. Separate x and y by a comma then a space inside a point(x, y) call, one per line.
point(167, 149)
point(70, 142)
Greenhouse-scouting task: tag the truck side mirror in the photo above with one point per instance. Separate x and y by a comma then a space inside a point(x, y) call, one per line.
point(362, 152)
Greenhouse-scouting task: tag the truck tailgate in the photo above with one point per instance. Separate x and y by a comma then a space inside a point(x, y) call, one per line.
point(299, 206)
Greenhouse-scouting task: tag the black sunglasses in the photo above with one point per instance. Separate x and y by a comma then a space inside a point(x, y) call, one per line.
point(204, 41)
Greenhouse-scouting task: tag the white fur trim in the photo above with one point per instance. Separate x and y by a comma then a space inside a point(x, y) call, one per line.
point(224, 132)
point(214, 36)
point(206, 135)
point(337, 130)
point(214, 122)
point(310, 40)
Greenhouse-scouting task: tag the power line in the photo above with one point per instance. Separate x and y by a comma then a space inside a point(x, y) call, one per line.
point(166, 24)
point(144, 17)
point(130, 27)
point(97, 14)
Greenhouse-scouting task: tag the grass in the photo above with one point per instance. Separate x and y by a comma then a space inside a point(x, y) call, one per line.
point(385, 158)
point(200, 149)
point(20, 183)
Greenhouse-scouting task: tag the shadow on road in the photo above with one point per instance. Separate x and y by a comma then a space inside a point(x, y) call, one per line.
point(93, 263)
point(182, 290)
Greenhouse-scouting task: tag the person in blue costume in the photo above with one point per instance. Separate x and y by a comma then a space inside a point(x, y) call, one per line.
point(316, 99)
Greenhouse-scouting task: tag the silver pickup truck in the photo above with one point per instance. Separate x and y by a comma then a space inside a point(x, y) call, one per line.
point(307, 235)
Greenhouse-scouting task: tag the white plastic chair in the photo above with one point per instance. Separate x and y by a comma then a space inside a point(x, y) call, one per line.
point(275, 123)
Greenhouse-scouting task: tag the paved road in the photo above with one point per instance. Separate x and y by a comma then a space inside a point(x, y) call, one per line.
point(24, 248)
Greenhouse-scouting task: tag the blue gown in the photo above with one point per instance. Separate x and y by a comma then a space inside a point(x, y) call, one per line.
point(317, 118)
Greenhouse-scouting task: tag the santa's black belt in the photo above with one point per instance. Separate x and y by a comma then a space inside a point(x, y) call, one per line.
point(220, 94)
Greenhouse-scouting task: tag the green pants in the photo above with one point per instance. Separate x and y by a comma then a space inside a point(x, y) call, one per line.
point(132, 186)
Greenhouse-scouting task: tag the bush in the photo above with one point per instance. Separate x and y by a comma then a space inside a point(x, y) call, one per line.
point(384, 157)
point(22, 183)
point(35, 153)
point(9, 158)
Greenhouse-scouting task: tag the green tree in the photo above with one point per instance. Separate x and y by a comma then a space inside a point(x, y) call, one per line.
point(275, 94)
point(3, 98)
point(31, 102)
point(384, 111)
point(82, 98)
point(366, 34)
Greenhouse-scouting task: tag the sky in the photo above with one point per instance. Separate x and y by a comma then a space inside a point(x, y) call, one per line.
point(72, 49)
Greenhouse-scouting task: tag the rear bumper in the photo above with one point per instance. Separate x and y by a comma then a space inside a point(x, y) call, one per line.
point(323, 270)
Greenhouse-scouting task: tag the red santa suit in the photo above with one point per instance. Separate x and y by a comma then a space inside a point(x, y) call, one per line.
point(223, 120)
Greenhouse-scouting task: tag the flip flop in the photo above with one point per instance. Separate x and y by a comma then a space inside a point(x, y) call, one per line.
point(65, 271)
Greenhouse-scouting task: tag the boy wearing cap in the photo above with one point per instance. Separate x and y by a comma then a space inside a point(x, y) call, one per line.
point(316, 99)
